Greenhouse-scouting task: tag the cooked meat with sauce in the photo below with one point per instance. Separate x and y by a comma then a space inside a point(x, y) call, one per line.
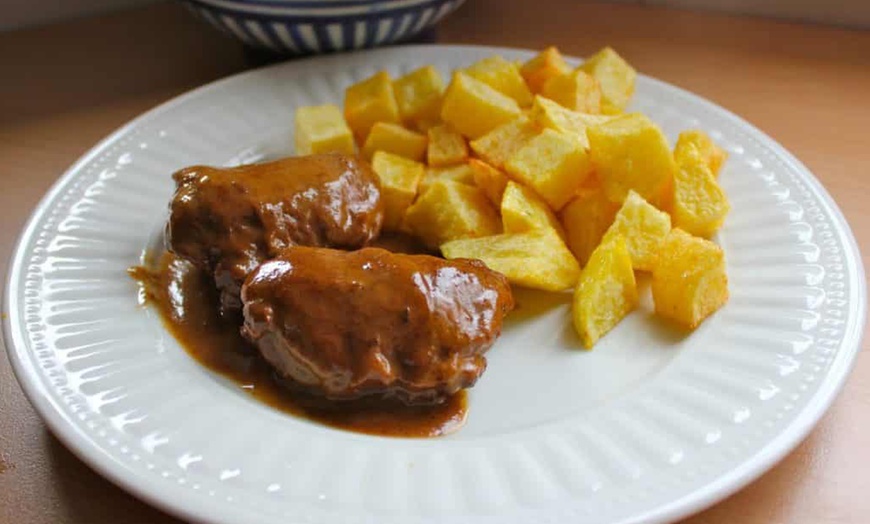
point(372, 323)
point(229, 220)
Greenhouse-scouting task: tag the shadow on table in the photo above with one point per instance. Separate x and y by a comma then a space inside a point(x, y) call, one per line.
point(85, 72)
point(90, 498)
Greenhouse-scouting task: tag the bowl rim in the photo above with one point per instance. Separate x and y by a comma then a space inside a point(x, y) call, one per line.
point(315, 5)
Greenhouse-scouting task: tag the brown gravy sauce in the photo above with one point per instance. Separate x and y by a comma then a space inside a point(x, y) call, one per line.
point(187, 300)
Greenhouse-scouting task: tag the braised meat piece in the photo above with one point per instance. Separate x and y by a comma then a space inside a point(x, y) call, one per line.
point(372, 323)
point(229, 220)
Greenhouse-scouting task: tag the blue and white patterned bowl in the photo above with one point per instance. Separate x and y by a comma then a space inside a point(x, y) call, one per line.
point(302, 27)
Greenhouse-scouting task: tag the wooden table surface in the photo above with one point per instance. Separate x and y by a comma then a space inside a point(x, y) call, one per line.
point(66, 86)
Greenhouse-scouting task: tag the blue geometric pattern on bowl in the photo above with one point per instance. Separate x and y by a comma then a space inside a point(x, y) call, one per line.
point(310, 26)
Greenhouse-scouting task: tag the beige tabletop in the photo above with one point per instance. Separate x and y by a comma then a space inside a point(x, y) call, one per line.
point(64, 87)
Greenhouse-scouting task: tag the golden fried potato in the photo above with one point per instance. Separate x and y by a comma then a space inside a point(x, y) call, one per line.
point(544, 66)
point(616, 78)
point(643, 227)
point(585, 219)
point(322, 129)
point(605, 293)
point(503, 76)
point(631, 152)
point(446, 146)
point(369, 102)
point(699, 205)
point(418, 96)
point(499, 144)
point(395, 139)
point(536, 259)
point(689, 281)
point(713, 155)
point(449, 210)
point(474, 109)
point(575, 90)
point(522, 210)
point(550, 115)
point(491, 180)
point(534, 168)
point(553, 164)
point(461, 173)
point(399, 179)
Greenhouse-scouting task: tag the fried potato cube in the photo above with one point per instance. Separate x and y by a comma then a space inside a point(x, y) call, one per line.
point(616, 78)
point(631, 152)
point(322, 129)
point(689, 282)
point(446, 146)
point(369, 102)
point(665, 199)
point(605, 293)
point(399, 179)
point(592, 183)
point(553, 164)
point(536, 259)
point(461, 173)
point(491, 180)
point(698, 204)
point(474, 109)
point(550, 115)
point(395, 139)
point(643, 227)
point(544, 66)
point(522, 210)
point(424, 125)
point(499, 144)
point(585, 219)
point(449, 210)
point(418, 96)
point(713, 155)
point(574, 90)
point(503, 76)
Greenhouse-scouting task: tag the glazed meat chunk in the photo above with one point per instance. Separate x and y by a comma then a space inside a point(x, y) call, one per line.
point(229, 220)
point(372, 323)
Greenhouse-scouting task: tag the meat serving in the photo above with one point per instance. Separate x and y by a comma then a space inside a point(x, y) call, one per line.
point(279, 280)
point(372, 323)
point(229, 220)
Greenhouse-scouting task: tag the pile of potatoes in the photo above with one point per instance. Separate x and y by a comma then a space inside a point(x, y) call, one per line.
point(535, 169)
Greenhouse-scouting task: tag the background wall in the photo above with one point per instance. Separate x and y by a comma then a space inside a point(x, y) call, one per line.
point(854, 13)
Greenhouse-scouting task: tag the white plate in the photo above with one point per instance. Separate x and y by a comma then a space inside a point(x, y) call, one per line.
point(650, 426)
